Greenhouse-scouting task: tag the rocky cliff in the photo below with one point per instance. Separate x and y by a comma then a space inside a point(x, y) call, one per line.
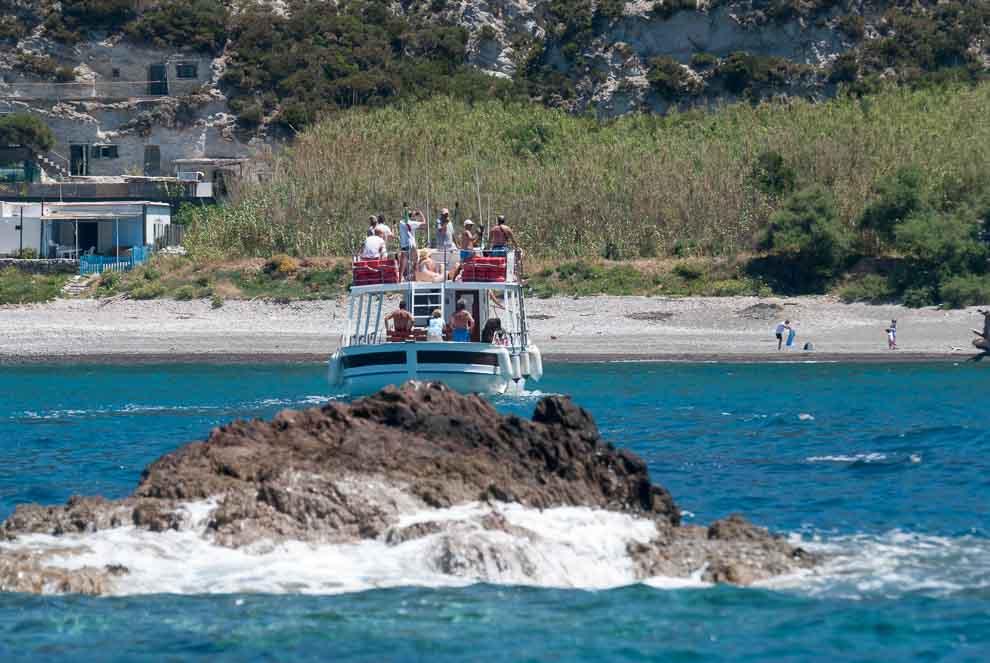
point(419, 468)
point(276, 66)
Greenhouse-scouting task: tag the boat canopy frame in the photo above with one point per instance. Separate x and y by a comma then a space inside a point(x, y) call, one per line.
point(366, 308)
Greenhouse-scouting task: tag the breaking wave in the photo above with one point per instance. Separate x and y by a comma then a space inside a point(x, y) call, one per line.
point(575, 547)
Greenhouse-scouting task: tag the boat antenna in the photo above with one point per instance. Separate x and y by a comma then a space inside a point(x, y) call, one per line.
point(477, 189)
point(429, 211)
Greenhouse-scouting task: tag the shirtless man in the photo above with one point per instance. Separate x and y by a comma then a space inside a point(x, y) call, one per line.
point(467, 247)
point(462, 323)
point(502, 237)
point(467, 240)
point(402, 320)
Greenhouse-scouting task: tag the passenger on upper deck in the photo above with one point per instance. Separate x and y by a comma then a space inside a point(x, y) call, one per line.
point(386, 229)
point(502, 237)
point(407, 241)
point(468, 240)
point(372, 222)
point(402, 320)
point(462, 323)
point(446, 243)
point(374, 246)
point(427, 270)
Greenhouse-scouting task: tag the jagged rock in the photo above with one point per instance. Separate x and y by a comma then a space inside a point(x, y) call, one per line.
point(344, 473)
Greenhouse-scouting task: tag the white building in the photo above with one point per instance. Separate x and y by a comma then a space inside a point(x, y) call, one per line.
point(71, 230)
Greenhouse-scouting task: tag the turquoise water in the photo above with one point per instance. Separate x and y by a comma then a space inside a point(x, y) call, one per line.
point(886, 467)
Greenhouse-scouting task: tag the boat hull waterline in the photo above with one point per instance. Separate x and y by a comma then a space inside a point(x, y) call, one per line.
point(465, 367)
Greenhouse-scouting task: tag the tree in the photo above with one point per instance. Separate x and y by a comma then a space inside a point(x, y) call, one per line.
point(898, 197)
point(806, 234)
point(26, 130)
point(940, 246)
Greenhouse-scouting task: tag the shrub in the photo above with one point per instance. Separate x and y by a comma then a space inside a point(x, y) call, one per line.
point(185, 293)
point(898, 196)
point(28, 254)
point(26, 129)
point(16, 287)
point(109, 281)
point(611, 8)
point(216, 302)
point(152, 290)
point(689, 271)
point(968, 290)
point(194, 24)
point(918, 297)
point(703, 60)
point(670, 79)
point(281, 265)
point(852, 26)
point(807, 234)
point(872, 288)
point(741, 70)
point(939, 246)
point(844, 69)
point(772, 175)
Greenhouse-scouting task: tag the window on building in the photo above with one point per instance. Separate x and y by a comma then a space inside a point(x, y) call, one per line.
point(115, 74)
point(103, 152)
point(186, 70)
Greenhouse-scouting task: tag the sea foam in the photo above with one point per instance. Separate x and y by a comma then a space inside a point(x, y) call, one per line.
point(573, 547)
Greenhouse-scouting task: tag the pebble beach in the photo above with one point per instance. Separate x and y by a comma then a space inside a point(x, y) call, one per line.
point(566, 329)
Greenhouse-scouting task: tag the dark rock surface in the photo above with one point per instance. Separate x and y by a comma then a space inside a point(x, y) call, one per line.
point(343, 473)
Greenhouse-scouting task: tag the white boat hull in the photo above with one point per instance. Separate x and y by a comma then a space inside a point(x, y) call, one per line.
point(465, 367)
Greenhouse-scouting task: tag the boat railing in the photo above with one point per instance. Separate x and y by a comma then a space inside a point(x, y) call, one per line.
point(482, 266)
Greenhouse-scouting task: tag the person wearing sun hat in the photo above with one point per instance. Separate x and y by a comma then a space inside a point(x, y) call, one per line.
point(467, 240)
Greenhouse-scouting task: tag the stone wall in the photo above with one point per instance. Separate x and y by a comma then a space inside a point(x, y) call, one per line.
point(53, 266)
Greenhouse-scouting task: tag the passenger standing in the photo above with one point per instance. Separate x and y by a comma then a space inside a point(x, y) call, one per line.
point(502, 237)
point(407, 242)
point(372, 222)
point(468, 239)
point(446, 243)
point(434, 329)
point(462, 323)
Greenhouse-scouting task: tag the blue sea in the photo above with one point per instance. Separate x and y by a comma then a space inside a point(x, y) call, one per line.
point(884, 467)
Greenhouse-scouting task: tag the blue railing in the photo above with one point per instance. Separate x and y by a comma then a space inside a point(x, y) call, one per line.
point(100, 264)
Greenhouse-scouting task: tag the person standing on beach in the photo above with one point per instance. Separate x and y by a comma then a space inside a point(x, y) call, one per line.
point(892, 335)
point(782, 328)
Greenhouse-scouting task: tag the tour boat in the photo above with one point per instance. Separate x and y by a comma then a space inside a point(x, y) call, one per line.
point(371, 357)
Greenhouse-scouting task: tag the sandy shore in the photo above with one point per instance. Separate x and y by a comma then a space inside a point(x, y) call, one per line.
point(592, 328)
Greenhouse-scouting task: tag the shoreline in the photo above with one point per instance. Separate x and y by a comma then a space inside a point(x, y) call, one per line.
point(295, 358)
point(566, 329)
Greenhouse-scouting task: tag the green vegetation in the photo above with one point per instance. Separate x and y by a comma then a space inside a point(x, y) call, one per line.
point(805, 240)
point(16, 287)
point(280, 279)
point(352, 53)
point(27, 130)
point(192, 24)
point(695, 277)
point(570, 185)
point(670, 79)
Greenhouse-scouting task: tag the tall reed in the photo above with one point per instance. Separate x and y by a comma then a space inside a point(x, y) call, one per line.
point(570, 186)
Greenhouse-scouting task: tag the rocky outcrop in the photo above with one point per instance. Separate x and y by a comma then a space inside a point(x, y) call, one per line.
point(345, 473)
